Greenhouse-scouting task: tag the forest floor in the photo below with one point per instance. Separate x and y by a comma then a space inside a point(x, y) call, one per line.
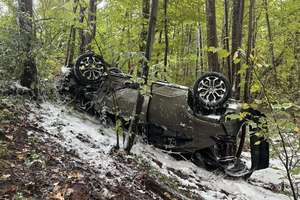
point(51, 151)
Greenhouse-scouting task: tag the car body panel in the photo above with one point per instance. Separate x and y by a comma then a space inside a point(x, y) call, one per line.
point(178, 127)
point(169, 105)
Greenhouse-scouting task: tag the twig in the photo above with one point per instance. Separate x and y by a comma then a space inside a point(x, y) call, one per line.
point(286, 162)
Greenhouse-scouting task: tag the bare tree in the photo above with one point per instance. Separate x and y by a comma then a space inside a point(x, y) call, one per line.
point(25, 17)
point(212, 39)
point(150, 37)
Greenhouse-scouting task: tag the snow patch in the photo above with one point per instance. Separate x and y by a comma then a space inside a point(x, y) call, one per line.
point(91, 141)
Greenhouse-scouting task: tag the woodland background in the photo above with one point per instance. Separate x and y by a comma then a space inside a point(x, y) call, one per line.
point(255, 43)
point(236, 38)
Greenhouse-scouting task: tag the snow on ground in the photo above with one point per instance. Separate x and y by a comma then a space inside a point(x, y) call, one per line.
point(92, 142)
point(217, 184)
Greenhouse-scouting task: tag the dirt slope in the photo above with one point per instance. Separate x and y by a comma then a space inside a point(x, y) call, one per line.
point(54, 152)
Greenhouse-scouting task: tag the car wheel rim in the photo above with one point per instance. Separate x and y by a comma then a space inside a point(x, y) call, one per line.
point(91, 68)
point(211, 90)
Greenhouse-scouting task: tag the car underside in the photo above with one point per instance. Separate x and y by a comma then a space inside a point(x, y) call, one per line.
point(194, 121)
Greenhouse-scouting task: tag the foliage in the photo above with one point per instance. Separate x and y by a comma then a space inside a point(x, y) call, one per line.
point(274, 82)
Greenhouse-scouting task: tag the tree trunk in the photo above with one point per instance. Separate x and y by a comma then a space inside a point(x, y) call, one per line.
point(297, 55)
point(150, 37)
point(143, 34)
point(226, 39)
point(133, 127)
point(199, 50)
point(237, 30)
point(189, 47)
point(72, 37)
point(81, 31)
point(166, 37)
point(250, 46)
point(86, 36)
point(270, 38)
point(212, 40)
point(28, 77)
point(159, 41)
point(92, 23)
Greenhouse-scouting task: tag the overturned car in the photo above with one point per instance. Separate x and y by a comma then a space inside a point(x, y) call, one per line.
point(194, 121)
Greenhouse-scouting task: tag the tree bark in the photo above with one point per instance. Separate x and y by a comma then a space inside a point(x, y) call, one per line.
point(270, 38)
point(72, 37)
point(28, 76)
point(189, 47)
point(226, 40)
point(143, 34)
point(81, 31)
point(250, 46)
point(297, 55)
point(150, 38)
point(133, 127)
point(237, 30)
point(166, 32)
point(212, 40)
point(86, 36)
point(199, 50)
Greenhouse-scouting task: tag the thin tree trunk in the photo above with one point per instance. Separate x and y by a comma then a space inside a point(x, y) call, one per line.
point(181, 69)
point(72, 37)
point(86, 36)
point(133, 127)
point(199, 59)
point(270, 38)
point(28, 77)
point(143, 34)
point(250, 47)
point(212, 40)
point(189, 44)
point(297, 55)
point(159, 43)
point(166, 37)
point(201, 46)
point(91, 33)
point(237, 29)
point(150, 37)
point(81, 31)
point(223, 66)
point(226, 39)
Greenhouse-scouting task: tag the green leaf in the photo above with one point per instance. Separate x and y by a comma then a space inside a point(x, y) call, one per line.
point(223, 53)
point(236, 60)
point(295, 171)
point(257, 142)
point(212, 49)
point(232, 117)
point(245, 106)
point(255, 87)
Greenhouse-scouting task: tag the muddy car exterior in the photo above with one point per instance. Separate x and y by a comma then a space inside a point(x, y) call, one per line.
point(174, 117)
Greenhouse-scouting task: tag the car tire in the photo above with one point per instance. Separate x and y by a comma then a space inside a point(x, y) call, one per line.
point(89, 69)
point(211, 91)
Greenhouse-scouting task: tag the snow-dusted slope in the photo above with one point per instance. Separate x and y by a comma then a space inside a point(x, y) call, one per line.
point(92, 142)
